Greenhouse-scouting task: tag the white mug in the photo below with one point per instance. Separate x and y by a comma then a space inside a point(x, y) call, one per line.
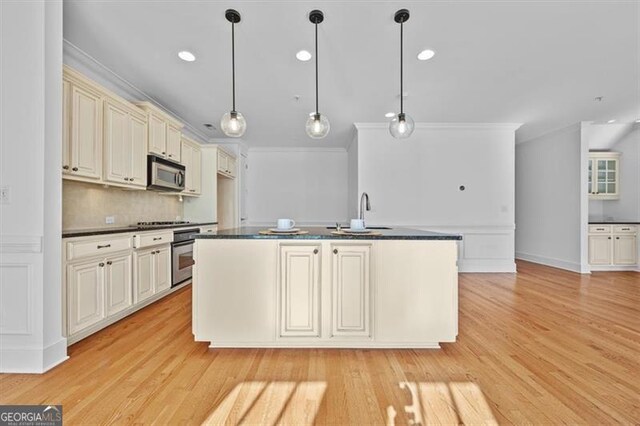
point(286, 223)
point(357, 224)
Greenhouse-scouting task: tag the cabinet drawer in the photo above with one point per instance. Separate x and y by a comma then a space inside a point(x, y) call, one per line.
point(599, 229)
point(208, 229)
point(624, 229)
point(97, 247)
point(153, 239)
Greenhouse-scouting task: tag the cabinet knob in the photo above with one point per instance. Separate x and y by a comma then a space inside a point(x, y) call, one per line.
point(315, 251)
point(109, 262)
point(335, 251)
point(163, 153)
point(157, 238)
point(126, 178)
point(617, 238)
point(130, 179)
point(608, 238)
point(75, 169)
point(101, 264)
point(65, 167)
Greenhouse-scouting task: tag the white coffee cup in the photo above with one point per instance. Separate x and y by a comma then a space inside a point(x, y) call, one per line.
point(357, 224)
point(286, 223)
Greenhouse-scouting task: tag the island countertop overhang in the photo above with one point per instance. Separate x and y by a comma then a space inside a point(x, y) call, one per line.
point(322, 233)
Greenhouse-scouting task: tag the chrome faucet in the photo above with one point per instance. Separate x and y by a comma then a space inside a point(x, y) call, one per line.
point(364, 198)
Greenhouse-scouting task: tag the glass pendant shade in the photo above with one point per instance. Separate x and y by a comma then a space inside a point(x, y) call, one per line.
point(401, 126)
point(318, 126)
point(233, 124)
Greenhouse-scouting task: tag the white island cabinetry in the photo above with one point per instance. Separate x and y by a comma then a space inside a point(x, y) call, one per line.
point(325, 292)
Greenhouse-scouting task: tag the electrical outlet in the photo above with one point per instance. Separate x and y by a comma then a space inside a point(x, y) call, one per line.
point(110, 220)
point(5, 195)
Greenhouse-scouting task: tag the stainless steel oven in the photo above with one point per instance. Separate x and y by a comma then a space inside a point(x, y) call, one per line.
point(164, 175)
point(182, 255)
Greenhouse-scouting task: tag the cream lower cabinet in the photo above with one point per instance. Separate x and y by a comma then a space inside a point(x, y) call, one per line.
point(614, 246)
point(600, 249)
point(97, 289)
point(303, 287)
point(625, 250)
point(152, 272)
point(300, 290)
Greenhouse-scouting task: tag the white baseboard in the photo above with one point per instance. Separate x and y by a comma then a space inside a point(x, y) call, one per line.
point(33, 360)
point(486, 266)
point(613, 268)
point(550, 261)
point(54, 354)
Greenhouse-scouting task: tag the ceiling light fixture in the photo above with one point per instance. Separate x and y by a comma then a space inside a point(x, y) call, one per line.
point(611, 121)
point(317, 125)
point(426, 55)
point(303, 55)
point(402, 125)
point(390, 114)
point(186, 56)
point(233, 123)
point(638, 120)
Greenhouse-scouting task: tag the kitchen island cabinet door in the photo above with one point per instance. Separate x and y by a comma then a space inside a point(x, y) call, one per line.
point(118, 283)
point(86, 294)
point(300, 290)
point(351, 290)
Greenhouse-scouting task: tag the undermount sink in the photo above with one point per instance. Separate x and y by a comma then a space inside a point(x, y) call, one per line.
point(368, 227)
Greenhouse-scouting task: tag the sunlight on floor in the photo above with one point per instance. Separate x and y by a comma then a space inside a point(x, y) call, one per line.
point(269, 403)
point(443, 403)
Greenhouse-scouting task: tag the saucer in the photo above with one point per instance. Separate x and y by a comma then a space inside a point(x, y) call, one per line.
point(286, 231)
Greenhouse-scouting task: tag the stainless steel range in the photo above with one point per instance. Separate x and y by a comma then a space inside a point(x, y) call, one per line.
point(182, 255)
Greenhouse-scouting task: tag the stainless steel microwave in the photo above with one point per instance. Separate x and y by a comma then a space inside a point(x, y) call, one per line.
point(164, 175)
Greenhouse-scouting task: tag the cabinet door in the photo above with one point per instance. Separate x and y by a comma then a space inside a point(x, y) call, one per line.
point(157, 135)
point(86, 133)
point(231, 167)
point(196, 164)
point(118, 284)
point(187, 155)
point(173, 143)
point(606, 176)
point(351, 290)
point(143, 281)
point(162, 268)
point(66, 127)
point(223, 162)
point(85, 295)
point(600, 249)
point(299, 290)
point(138, 151)
point(625, 250)
point(116, 143)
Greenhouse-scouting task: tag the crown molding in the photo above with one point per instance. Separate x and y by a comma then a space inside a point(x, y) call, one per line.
point(446, 126)
point(576, 127)
point(78, 58)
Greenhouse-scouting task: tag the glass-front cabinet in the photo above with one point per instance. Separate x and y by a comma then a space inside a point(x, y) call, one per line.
point(604, 175)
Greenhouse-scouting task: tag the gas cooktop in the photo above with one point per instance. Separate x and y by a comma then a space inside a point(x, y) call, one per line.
point(161, 223)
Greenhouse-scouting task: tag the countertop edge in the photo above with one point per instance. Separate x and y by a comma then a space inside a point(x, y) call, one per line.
point(127, 230)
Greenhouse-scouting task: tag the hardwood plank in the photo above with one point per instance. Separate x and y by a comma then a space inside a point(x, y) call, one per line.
point(541, 346)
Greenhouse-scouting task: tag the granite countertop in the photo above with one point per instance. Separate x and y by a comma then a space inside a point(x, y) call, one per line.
point(322, 233)
point(87, 232)
point(615, 222)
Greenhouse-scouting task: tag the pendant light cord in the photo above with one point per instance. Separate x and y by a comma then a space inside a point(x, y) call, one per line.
point(316, 25)
point(233, 63)
point(401, 68)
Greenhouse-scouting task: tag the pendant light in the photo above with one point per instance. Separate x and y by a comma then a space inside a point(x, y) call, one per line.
point(317, 125)
point(402, 125)
point(233, 123)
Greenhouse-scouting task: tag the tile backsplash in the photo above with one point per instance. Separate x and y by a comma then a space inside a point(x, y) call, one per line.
point(86, 205)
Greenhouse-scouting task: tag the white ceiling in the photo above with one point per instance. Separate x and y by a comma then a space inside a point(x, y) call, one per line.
point(537, 63)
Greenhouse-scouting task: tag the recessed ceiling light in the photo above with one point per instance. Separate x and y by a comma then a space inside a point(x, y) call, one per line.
point(303, 55)
point(186, 56)
point(426, 54)
point(611, 121)
point(390, 114)
point(638, 120)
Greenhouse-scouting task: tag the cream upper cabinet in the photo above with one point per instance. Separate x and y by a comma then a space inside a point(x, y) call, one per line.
point(85, 306)
point(192, 160)
point(351, 290)
point(164, 132)
point(604, 175)
point(118, 284)
point(157, 135)
point(174, 144)
point(299, 290)
point(226, 164)
point(83, 150)
point(66, 127)
point(124, 144)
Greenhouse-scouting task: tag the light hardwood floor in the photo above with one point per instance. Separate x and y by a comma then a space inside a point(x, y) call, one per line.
point(540, 347)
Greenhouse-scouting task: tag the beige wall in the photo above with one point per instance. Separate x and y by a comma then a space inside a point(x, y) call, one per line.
point(85, 205)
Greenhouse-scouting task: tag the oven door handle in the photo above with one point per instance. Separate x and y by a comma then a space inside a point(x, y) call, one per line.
point(182, 243)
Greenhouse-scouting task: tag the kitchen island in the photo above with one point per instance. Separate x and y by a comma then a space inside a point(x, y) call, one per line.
point(395, 289)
